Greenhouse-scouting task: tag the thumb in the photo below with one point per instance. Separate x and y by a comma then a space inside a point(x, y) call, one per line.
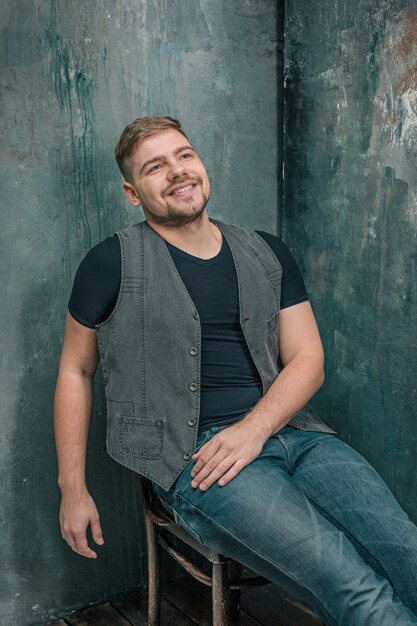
point(96, 531)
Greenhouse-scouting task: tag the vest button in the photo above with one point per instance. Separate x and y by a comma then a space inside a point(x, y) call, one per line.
point(192, 386)
point(193, 351)
point(186, 456)
point(195, 315)
point(191, 422)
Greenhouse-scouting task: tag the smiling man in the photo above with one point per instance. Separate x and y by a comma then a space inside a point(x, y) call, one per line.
point(166, 202)
point(210, 353)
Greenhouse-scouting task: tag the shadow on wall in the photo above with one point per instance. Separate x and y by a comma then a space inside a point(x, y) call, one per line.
point(42, 571)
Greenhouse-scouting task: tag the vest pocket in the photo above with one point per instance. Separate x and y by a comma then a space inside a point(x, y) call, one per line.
point(141, 437)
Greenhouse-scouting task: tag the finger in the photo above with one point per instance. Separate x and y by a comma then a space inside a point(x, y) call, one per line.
point(96, 532)
point(212, 472)
point(204, 448)
point(224, 472)
point(74, 545)
point(69, 541)
point(233, 472)
point(206, 464)
point(213, 444)
point(82, 547)
point(69, 538)
point(204, 455)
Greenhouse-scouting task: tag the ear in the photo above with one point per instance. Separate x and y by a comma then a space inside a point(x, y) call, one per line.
point(131, 194)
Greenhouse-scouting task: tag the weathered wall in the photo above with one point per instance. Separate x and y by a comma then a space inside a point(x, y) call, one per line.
point(350, 215)
point(72, 75)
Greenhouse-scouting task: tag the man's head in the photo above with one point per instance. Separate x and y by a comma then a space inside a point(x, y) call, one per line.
point(163, 172)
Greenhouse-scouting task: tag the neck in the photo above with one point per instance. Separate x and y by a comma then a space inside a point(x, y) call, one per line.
point(201, 238)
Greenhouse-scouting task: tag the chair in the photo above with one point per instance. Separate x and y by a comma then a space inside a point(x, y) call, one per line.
point(225, 579)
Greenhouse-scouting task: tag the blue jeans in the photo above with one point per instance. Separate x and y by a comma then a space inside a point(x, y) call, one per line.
point(313, 516)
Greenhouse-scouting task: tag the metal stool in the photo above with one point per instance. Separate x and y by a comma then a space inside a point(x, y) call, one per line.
point(225, 580)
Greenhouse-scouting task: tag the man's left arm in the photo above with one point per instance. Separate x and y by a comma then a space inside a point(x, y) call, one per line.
point(301, 353)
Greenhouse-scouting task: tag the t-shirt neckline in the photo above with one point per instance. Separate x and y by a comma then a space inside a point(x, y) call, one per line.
point(196, 259)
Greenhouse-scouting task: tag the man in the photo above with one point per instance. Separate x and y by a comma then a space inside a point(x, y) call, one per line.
point(210, 353)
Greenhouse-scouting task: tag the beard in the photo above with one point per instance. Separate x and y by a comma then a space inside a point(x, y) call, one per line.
point(176, 216)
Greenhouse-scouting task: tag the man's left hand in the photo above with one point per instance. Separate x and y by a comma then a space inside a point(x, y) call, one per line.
point(226, 454)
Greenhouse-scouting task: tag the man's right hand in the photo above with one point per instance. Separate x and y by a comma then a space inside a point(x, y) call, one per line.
point(77, 512)
point(73, 402)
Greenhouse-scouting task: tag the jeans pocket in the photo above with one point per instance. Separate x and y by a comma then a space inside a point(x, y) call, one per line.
point(203, 437)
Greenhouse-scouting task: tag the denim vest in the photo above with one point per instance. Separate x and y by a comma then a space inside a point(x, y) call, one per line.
point(150, 349)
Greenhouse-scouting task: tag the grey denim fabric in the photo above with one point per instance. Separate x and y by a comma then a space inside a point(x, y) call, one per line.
point(150, 349)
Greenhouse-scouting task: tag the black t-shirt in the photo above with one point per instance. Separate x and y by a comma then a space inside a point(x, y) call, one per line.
point(230, 383)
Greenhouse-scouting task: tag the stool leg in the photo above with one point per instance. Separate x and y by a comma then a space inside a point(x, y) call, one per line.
point(220, 594)
point(235, 570)
point(154, 584)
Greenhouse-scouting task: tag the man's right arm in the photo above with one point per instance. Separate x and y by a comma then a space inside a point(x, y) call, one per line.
point(73, 404)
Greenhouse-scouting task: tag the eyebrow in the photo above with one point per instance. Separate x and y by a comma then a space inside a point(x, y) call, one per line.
point(161, 158)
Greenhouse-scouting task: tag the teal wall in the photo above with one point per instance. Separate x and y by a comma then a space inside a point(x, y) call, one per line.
point(73, 74)
point(350, 215)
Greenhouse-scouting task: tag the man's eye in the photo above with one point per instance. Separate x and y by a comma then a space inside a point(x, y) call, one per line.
point(186, 155)
point(154, 167)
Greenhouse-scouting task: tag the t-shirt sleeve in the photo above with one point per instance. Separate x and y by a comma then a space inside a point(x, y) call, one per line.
point(293, 289)
point(96, 284)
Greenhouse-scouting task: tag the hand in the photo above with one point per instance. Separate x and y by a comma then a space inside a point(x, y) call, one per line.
point(226, 454)
point(77, 512)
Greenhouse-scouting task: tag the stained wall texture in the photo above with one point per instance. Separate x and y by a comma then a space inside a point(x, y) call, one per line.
point(73, 74)
point(350, 215)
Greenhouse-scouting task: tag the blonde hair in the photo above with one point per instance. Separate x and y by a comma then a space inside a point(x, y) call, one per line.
point(135, 132)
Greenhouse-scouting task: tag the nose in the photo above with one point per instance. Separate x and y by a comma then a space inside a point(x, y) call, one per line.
point(176, 169)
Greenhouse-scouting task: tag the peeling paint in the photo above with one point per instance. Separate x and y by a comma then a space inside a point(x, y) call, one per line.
point(73, 75)
point(352, 101)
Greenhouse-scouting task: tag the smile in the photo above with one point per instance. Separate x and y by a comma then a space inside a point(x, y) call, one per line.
point(182, 191)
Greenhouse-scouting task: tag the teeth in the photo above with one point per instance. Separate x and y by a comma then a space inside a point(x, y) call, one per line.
point(183, 189)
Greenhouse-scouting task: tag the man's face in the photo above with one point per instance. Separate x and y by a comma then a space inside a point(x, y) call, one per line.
point(169, 180)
